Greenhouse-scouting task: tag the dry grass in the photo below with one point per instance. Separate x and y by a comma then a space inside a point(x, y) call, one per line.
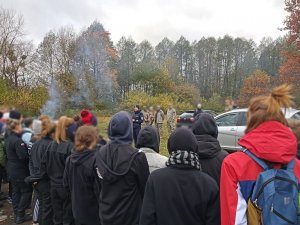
point(103, 124)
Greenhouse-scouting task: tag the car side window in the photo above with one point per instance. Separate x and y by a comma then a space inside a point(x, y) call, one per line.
point(243, 119)
point(228, 120)
point(296, 116)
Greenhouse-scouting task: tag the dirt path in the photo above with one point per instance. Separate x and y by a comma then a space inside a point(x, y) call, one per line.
point(7, 210)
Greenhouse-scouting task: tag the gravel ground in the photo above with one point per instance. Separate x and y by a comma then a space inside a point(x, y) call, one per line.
point(7, 210)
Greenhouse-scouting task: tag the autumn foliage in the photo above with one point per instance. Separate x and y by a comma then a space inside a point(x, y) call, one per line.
point(258, 83)
point(290, 69)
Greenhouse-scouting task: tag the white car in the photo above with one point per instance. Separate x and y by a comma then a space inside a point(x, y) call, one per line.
point(232, 125)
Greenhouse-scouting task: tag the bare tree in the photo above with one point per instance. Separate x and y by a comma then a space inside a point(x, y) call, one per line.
point(11, 31)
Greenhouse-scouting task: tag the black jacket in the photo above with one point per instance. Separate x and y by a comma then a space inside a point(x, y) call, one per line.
point(17, 157)
point(123, 173)
point(80, 179)
point(211, 156)
point(298, 151)
point(197, 112)
point(180, 196)
point(38, 151)
point(54, 161)
point(209, 150)
point(137, 118)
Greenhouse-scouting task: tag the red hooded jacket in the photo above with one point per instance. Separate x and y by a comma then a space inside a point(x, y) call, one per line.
point(271, 141)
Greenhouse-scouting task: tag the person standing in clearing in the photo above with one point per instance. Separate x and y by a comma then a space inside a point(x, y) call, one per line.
point(80, 178)
point(137, 120)
point(18, 169)
point(146, 114)
point(123, 172)
point(148, 143)
point(198, 110)
point(159, 120)
point(181, 193)
point(151, 115)
point(37, 174)
point(268, 138)
point(171, 118)
point(53, 163)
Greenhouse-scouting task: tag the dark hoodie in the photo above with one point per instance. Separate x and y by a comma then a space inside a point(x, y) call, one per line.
point(54, 161)
point(123, 172)
point(148, 138)
point(80, 179)
point(179, 195)
point(37, 153)
point(209, 150)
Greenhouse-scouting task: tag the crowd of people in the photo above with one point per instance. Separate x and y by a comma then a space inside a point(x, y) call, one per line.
point(150, 117)
point(68, 174)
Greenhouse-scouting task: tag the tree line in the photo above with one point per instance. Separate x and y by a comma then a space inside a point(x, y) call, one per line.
point(89, 60)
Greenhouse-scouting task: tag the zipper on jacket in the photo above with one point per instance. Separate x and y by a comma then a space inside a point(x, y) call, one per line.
point(269, 181)
point(281, 216)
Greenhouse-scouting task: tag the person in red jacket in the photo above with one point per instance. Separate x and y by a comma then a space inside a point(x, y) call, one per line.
point(268, 137)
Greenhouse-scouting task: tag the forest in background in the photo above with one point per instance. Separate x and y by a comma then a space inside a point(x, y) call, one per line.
point(69, 70)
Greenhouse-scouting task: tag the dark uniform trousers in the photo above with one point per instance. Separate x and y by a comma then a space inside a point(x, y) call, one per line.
point(62, 207)
point(45, 215)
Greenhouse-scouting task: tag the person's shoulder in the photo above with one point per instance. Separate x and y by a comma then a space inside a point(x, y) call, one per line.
point(236, 157)
point(161, 173)
point(160, 157)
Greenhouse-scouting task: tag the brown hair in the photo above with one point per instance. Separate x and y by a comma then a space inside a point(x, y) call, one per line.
point(12, 124)
point(85, 138)
point(295, 126)
point(63, 123)
point(48, 126)
point(267, 108)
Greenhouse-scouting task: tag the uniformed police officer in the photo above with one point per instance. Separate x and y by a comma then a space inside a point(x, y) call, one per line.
point(137, 119)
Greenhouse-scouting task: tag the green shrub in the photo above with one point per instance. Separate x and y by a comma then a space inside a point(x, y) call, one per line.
point(142, 99)
point(215, 103)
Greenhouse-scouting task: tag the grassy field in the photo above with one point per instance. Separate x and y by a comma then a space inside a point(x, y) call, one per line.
point(103, 124)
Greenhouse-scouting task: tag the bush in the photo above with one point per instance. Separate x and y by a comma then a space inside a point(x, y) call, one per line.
point(28, 100)
point(215, 103)
point(142, 99)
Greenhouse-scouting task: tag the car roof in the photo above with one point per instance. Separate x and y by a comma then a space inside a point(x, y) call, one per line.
point(189, 111)
point(289, 112)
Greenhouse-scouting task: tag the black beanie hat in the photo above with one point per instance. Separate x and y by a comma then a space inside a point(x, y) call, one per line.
point(182, 139)
point(205, 124)
point(13, 114)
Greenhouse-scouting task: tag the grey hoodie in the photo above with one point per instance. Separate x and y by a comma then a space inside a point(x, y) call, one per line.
point(148, 143)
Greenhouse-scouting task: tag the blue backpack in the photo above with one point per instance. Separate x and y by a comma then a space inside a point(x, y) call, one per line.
point(274, 200)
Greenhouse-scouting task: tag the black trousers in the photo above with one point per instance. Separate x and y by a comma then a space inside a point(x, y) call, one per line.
point(136, 131)
point(2, 174)
point(45, 212)
point(62, 207)
point(21, 196)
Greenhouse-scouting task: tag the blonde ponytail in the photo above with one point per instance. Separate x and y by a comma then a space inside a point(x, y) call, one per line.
point(63, 123)
point(48, 126)
point(267, 108)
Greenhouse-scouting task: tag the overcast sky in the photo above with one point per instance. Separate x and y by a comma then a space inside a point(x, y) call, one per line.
point(155, 19)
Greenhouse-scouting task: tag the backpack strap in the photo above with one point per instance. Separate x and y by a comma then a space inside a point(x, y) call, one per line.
point(259, 161)
point(291, 165)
